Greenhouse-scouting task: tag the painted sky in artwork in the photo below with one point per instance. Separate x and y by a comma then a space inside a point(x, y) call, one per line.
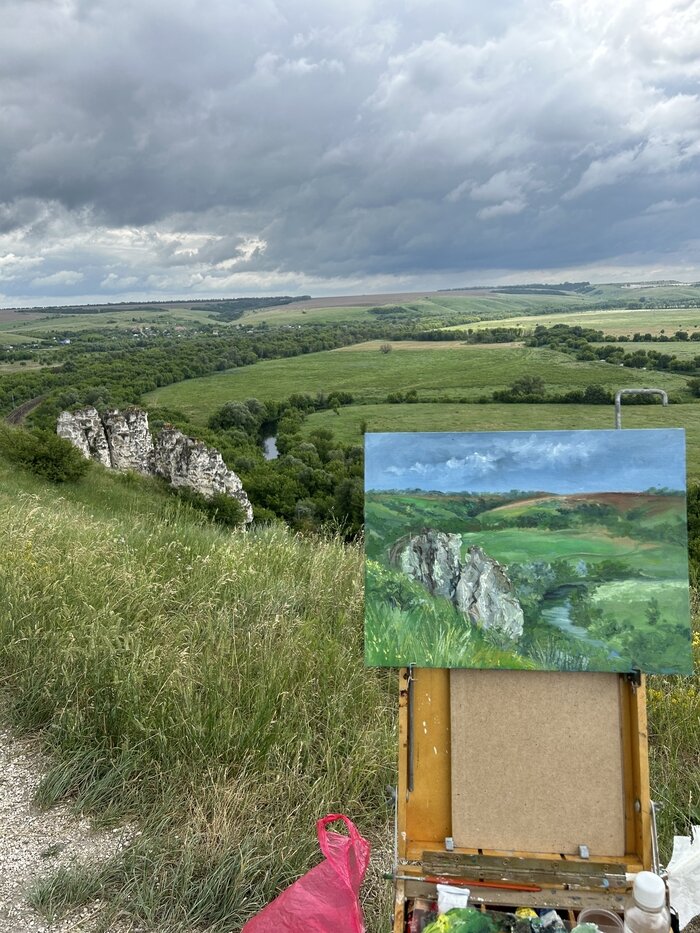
point(550, 461)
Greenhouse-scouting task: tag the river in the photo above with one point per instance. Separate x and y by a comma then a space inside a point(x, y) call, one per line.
point(270, 448)
point(557, 612)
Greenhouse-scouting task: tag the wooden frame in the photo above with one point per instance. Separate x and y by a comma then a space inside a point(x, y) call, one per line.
point(424, 813)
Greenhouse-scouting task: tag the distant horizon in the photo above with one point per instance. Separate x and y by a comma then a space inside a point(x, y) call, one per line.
point(360, 290)
point(668, 490)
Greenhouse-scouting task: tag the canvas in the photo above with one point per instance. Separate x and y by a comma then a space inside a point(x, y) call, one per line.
point(545, 550)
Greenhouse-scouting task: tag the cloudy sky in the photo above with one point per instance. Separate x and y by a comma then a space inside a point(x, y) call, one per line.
point(543, 461)
point(155, 148)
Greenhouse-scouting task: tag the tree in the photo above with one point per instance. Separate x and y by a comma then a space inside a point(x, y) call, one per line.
point(528, 385)
point(653, 611)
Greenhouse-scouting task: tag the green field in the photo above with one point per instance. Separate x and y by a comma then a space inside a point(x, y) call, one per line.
point(470, 372)
point(432, 304)
point(470, 303)
point(19, 367)
point(293, 314)
point(24, 327)
point(650, 321)
point(347, 424)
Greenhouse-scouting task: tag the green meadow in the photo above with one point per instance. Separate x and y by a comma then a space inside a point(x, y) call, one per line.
point(666, 320)
point(470, 373)
point(350, 422)
point(28, 326)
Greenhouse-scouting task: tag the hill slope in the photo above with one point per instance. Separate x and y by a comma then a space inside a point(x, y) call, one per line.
point(208, 684)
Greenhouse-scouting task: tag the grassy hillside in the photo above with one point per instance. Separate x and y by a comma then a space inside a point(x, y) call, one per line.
point(207, 684)
point(470, 372)
point(348, 424)
point(666, 320)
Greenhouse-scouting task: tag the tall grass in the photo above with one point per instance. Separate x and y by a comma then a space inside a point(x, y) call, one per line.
point(674, 736)
point(208, 684)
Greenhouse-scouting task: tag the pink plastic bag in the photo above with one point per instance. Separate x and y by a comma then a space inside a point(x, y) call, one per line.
point(325, 899)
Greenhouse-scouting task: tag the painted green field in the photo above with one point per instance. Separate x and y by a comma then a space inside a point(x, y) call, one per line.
point(470, 373)
point(516, 545)
point(600, 580)
point(650, 321)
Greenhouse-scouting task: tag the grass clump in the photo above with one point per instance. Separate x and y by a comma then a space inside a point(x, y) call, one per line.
point(207, 683)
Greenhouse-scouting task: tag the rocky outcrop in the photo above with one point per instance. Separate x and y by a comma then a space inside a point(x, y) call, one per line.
point(129, 439)
point(476, 584)
point(121, 440)
point(186, 462)
point(84, 429)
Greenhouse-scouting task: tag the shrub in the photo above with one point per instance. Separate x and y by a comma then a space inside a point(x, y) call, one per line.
point(220, 508)
point(44, 453)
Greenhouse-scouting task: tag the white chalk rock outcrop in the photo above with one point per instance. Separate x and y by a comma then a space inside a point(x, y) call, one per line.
point(121, 440)
point(84, 429)
point(130, 441)
point(186, 462)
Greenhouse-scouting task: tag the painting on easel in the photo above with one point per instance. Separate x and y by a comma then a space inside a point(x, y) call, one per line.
point(546, 550)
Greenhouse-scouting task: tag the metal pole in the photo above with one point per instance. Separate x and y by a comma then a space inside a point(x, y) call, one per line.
point(621, 392)
point(410, 733)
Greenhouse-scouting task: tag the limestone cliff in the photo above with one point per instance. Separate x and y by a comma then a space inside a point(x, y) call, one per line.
point(477, 584)
point(121, 440)
point(186, 462)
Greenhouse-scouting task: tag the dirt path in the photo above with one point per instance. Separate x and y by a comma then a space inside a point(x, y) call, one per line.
point(34, 843)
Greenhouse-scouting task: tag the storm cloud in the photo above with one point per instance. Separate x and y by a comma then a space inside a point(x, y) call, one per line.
point(154, 148)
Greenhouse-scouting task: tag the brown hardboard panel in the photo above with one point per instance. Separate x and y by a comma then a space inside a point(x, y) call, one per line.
point(537, 761)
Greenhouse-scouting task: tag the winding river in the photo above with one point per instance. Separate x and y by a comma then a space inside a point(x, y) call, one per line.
point(557, 611)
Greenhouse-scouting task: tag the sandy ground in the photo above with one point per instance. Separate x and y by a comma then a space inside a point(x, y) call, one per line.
point(35, 842)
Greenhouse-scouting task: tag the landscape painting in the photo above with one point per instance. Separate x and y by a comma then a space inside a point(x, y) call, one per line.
point(541, 550)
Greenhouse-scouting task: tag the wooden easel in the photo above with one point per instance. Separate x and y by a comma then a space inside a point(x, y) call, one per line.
point(532, 788)
point(468, 808)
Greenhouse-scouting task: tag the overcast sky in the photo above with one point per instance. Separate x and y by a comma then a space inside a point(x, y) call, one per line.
point(228, 147)
point(537, 461)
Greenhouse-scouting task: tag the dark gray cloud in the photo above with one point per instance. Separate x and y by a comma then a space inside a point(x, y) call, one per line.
point(221, 147)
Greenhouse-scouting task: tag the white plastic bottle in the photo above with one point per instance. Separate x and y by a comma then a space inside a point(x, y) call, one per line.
point(647, 912)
